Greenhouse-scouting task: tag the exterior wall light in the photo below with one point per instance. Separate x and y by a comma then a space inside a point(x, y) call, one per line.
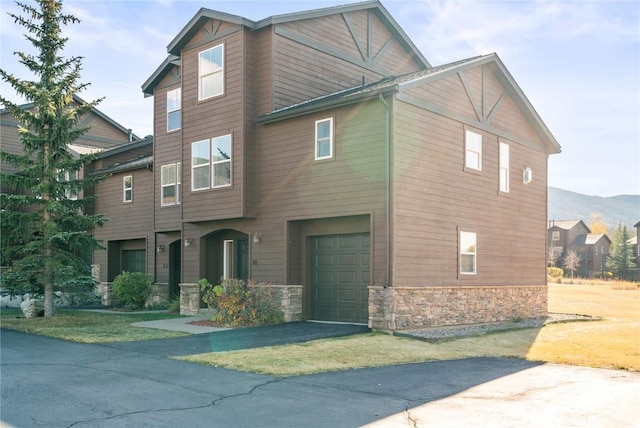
point(257, 238)
point(160, 248)
point(188, 242)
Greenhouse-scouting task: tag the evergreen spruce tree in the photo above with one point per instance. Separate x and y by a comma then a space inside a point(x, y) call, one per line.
point(46, 231)
point(620, 261)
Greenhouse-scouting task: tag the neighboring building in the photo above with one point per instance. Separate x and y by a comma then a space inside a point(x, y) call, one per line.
point(635, 243)
point(574, 235)
point(125, 196)
point(320, 151)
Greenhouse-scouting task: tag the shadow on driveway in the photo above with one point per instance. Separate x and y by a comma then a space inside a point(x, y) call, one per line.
point(241, 338)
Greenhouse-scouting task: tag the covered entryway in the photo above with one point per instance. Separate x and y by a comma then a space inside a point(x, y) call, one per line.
point(340, 275)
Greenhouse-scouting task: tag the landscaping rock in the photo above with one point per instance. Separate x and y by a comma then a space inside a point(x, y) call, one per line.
point(32, 308)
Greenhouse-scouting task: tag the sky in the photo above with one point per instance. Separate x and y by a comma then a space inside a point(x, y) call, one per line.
point(578, 62)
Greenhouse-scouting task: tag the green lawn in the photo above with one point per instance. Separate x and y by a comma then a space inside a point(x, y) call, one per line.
point(88, 327)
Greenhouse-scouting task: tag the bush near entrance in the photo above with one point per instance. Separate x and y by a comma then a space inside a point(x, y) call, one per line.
point(132, 288)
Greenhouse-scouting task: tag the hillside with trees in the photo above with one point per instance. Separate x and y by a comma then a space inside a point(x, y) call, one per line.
point(613, 210)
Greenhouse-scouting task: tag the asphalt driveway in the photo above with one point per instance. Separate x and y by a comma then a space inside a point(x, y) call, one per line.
point(49, 382)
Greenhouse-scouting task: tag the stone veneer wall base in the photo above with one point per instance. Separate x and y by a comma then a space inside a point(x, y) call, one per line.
point(402, 308)
point(287, 297)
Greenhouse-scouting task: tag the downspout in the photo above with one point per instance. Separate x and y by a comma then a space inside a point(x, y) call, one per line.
point(387, 280)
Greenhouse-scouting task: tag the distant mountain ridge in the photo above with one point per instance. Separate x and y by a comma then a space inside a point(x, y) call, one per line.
point(614, 210)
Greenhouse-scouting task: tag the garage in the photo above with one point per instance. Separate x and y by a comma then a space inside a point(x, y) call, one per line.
point(340, 275)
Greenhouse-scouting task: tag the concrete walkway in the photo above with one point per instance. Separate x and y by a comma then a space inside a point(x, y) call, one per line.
point(181, 324)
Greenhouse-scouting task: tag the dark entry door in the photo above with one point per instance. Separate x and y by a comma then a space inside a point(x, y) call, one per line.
point(175, 271)
point(340, 274)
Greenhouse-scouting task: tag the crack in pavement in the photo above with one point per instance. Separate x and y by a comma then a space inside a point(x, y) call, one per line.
point(179, 409)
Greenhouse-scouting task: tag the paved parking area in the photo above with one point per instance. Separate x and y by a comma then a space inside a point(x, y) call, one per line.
point(53, 383)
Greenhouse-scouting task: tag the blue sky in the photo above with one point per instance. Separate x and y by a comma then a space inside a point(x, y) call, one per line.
point(578, 62)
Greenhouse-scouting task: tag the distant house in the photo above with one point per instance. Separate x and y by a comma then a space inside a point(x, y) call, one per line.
point(635, 244)
point(574, 235)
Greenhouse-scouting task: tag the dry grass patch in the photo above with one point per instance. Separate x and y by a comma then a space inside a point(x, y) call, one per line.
point(611, 343)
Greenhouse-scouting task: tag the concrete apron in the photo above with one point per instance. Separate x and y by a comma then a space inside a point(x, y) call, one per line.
point(543, 396)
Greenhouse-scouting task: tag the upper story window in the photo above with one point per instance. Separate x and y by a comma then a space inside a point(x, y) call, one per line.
point(324, 139)
point(66, 176)
point(504, 167)
point(170, 184)
point(468, 253)
point(174, 103)
point(473, 150)
point(127, 189)
point(555, 235)
point(211, 73)
point(211, 163)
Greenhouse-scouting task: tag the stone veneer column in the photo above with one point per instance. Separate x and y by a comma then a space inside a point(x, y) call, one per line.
point(288, 298)
point(189, 299)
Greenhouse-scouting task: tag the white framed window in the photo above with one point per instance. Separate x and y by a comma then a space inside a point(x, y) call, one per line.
point(221, 161)
point(71, 176)
point(555, 235)
point(211, 163)
point(200, 165)
point(127, 188)
point(170, 184)
point(227, 255)
point(468, 253)
point(211, 72)
point(174, 105)
point(504, 167)
point(473, 150)
point(66, 177)
point(324, 139)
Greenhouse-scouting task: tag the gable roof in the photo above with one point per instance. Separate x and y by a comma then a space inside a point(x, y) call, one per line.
point(393, 84)
point(567, 224)
point(203, 15)
point(589, 239)
point(94, 110)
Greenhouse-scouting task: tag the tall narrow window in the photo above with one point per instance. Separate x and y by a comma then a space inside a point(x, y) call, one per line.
point(178, 182)
point(324, 139)
point(227, 267)
point(200, 165)
point(71, 176)
point(168, 185)
point(473, 150)
point(468, 253)
point(174, 102)
point(504, 167)
point(221, 161)
point(127, 189)
point(211, 72)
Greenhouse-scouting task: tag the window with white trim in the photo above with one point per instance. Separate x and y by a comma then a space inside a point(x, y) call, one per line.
point(473, 150)
point(211, 72)
point(127, 188)
point(504, 167)
point(324, 139)
point(174, 105)
point(170, 184)
point(555, 235)
point(66, 177)
point(468, 253)
point(227, 256)
point(211, 163)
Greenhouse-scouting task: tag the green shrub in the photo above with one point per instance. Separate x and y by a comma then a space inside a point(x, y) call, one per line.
point(238, 305)
point(132, 288)
point(554, 272)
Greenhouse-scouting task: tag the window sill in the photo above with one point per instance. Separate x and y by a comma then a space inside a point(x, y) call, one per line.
point(472, 170)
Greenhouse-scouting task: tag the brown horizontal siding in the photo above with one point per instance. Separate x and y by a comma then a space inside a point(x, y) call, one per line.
point(125, 219)
point(434, 198)
point(212, 118)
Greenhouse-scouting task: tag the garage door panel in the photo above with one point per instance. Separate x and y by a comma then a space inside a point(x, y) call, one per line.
point(340, 275)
